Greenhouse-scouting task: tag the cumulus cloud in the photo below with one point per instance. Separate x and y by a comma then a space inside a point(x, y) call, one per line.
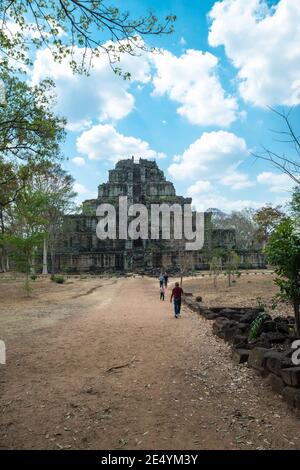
point(216, 200)
point(213, 153)
point(78, 161)
point(201, 186)
point(276, 182)
point(192, 81)
point(236, 180)
point(79, 126)
point(80, 189)
point(263, 44)
point(82, 192)
point(102, 95)
point(104, 142)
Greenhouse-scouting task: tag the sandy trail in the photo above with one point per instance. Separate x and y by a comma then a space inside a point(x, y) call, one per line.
point(174, 386)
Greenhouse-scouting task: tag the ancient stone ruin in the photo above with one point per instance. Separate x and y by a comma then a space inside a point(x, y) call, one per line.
point(142, 182)
point(270, 353)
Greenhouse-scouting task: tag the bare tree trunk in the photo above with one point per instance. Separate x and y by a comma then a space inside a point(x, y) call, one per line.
point(297, 315)
point(32, 267)
point(229, 279)
point(52, 253)
point(2, 261)
point(45, 256)
point(2, 258)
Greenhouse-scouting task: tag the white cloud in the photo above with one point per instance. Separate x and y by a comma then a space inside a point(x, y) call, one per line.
point(102, 95)
point(82, 193)
point(78, 161)
point(104, 142)
point(236, 180)
point(263, 43)
point(79, 126)
point(182, 41)
point(192, 81)
point(276, 182)
point(215, 200)
point(201, 186)
point(81, 189)
point(213, 153)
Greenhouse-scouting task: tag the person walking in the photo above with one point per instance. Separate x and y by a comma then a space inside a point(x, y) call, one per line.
point(161, 280)
point(166, 278)
point(176, 295)
point(162, 293)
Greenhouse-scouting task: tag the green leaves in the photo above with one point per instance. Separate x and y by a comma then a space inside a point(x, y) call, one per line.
point(266, 219)
point(28, 127)
point(283, 252)
point(63, 25)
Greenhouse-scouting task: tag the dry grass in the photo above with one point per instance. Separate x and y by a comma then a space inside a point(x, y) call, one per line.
point(249, 289)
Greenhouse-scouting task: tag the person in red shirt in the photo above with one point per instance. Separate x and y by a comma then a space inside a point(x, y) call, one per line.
point(176, 295)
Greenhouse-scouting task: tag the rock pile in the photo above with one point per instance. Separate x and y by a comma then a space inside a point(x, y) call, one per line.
point(269, 353)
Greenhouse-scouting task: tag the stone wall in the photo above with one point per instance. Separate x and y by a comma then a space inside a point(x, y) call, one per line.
point(269, 353)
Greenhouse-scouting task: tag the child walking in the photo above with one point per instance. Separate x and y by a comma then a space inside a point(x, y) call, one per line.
point(162, 292)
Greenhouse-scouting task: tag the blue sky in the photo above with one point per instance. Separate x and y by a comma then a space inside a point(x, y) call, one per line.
point(200, 107)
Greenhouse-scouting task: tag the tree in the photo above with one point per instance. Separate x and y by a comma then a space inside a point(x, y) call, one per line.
point(231, 266)
point(295, 209)
point(283, 252)
point(57, 187)
point(266, 219)
point(48, 193)
point(30, 136)
point(242, 222)
point(288, 163)
point(29, 129)
point(26, 229)
point(12, 181)
point(294, 204)
point(215, 268)
point(63, 26)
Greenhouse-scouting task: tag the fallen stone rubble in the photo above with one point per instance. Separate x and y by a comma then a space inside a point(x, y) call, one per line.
point(270, 353)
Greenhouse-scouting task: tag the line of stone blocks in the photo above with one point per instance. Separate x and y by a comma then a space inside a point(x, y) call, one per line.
point(282, 375)
point(233, 325)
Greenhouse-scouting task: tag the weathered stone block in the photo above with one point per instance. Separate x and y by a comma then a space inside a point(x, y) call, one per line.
point(260, 343)
point(239, 356)
point(292, 396)
point(291, 376)
point(257, 359)
point(240, 341)
point(210, 315)
point(248, 317)
point(230, 332)
point(276, 361)
point(276, 383)
point(222, 325)
point(274, 337)
point(268, 326)
point(231, 314)
point(207, 313)
point(192, 305)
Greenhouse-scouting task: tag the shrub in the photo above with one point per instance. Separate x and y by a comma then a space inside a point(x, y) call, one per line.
point(283, 252)
point(59, 279)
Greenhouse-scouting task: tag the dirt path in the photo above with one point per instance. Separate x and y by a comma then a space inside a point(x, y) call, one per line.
point(118, 371)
